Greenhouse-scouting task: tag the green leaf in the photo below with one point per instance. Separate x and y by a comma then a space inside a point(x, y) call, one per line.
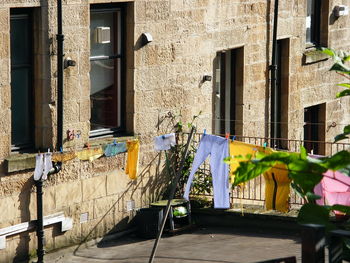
point(306, 174)
point(315, 214)
point(343, 93)
point(340, 67)
point(337, 161)
point(311, 196)
point(343, 135)
point(340, 137)
point(303, 153)
point(249, 170)
point(306, 181)
point(346, 85)
point(342, 208)
point(298, 190)
point(328, 51)
point(347, 129)
point(346, 58)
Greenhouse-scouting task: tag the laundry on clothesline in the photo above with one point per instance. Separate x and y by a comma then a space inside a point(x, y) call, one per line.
point(277, 188)
point(43, 164)
point(164, 142)
point(277, 182)
point(63, 157)
point(132, 163)
point(217, 148)
point(90, 154)
point(115, 148)
point(238, 148)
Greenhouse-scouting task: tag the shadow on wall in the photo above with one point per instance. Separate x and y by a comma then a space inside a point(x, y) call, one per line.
point(155, 185)
point(22, 250)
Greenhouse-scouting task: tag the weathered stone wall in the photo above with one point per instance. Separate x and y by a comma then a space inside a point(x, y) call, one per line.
point(165, 75)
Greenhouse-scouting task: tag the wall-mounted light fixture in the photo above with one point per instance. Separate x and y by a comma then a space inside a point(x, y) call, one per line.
point(207, 78)
point(146, 38)
point(68, 62)
point(341, 10)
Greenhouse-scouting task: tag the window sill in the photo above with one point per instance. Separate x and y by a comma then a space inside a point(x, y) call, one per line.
point(20, 162)
point(311, 56)
point(26, 161)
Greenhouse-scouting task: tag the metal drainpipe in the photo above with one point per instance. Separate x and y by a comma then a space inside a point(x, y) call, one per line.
point(273, 68)
point(39, 207)
point(60, 67)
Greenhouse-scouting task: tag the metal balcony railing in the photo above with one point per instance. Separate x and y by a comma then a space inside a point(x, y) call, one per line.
point(253, 192)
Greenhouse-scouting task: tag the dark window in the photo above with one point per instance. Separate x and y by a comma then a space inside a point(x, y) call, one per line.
point(106, 75)
point(21, 79)
point(228, 79)
point(279, 97)
point(314, 129)
point(313, 22)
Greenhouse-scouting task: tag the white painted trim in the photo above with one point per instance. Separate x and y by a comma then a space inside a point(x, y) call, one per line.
point(66, 224)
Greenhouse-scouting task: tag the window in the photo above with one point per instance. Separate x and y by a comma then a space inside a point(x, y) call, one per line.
point(107, 93)
point(22, 120)
point(313, 21)
point(314, 129)
point(228, 80)
point(279, 97)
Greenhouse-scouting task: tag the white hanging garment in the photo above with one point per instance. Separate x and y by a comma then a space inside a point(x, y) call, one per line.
point(164, 142)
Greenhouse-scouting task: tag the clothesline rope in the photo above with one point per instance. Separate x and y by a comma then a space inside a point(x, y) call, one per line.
point(279, 122)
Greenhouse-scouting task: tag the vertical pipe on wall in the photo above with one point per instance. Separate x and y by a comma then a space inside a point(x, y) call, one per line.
point(274, 91)
point(40, 223)
point(60, 67)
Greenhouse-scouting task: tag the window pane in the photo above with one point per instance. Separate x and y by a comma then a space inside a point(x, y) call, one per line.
point(20, 45)
point(20, 109)
point(103, 94)
point(102, 19)
point(21, 80)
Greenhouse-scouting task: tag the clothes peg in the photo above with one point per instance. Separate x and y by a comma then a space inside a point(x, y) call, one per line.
point(265, 144)
point(233, 137)
point(61, 149)
point(227, 135)
point(115, 142)
point(204, 131)
point(163, 137)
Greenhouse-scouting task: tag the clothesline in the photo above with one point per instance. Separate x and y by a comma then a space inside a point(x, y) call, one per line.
point(279, 122)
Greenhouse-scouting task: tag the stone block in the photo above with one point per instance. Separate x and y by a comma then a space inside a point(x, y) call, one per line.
point(94, 187)
point(68, 194)
point(4, 45)
point(105, 206)
point(118, 182)
point(9, 208)
point(4, 19)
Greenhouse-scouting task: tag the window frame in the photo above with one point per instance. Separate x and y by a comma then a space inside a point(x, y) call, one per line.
point(119, 73)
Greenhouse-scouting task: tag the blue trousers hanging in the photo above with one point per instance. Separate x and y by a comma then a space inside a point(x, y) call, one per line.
point(217, 148)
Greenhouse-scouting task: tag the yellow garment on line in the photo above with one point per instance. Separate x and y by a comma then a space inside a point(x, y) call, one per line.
point(241, 148)
point(279, 172)
point(132, 163)
point(277, 177)
point(63, 157)
point(90, 154)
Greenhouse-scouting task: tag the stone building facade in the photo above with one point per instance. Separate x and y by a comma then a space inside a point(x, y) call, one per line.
point(136, 61)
